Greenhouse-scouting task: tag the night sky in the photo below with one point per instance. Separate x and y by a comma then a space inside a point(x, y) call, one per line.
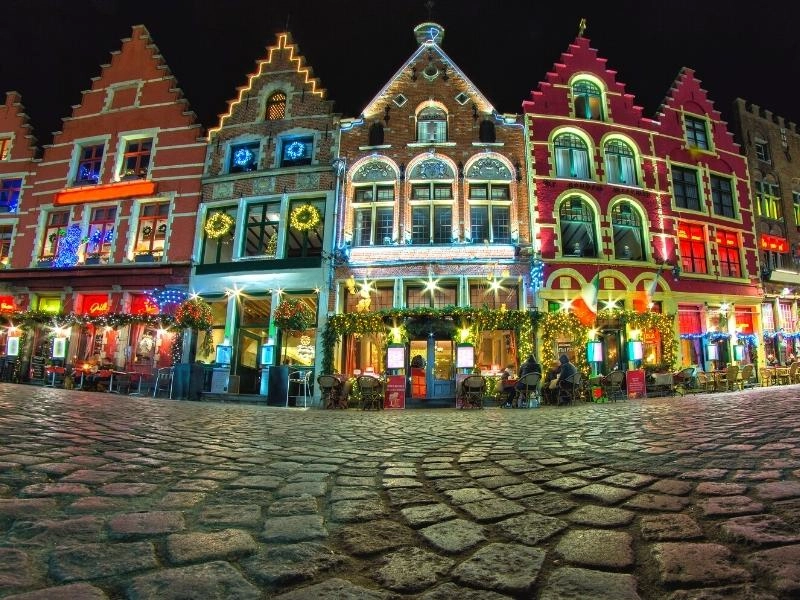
point(52, 48)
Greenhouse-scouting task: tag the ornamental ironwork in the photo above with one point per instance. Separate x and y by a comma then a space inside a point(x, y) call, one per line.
point(489, 168)
point(374, 171)
point(431, 169)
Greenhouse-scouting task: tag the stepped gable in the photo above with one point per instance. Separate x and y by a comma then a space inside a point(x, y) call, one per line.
point(14, 120)
point(136, 77)
point(283, 56)
point(686, 96)
point(581, 58)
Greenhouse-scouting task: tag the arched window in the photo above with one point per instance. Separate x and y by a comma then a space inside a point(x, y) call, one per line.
point(432, 125)
point(276, 107)
point(587, 100)
point(572, 156)
point(486, 132)
point(375, 137)
point(628, 234)
point(620, 163)
point(578, 237)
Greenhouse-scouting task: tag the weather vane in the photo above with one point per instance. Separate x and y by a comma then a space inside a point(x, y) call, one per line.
point(581, 27)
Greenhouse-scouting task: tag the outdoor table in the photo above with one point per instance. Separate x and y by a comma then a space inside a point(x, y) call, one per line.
point(52, 372)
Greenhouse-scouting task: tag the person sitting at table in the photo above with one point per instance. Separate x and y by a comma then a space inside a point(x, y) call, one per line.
point(91, 368)
point(772, 361)
point(529, 366)
point(565, 371)
point(550, 385)
point(507, 390)
point(790, 359)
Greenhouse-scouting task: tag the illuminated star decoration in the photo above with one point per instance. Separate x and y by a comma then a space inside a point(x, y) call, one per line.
point(68, 247)
point(163, 297)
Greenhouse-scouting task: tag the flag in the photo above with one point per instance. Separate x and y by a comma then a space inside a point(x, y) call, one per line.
point(585, 305)
point(651, 289)
point(642, 300)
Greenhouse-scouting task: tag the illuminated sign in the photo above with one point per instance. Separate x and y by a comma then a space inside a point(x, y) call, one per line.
point(12, 348)
point(7, 304)
point(95, 305)
point(59, 347)
point(110, 191)
point(774, 243)
point(143, 305)
point(50, 305)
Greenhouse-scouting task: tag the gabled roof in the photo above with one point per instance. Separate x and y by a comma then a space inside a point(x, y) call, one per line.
point(428, 45)
point(284, 42)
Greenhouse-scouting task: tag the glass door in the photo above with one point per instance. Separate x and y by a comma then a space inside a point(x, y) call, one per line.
point(432, 367)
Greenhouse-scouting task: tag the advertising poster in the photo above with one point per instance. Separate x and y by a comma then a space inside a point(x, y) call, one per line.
point(636, 384)
point(395, 392)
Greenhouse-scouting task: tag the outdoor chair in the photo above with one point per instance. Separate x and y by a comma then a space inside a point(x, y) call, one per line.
point(163, 382)
point(371, 390)
point(705, 382)
point(685, 381)
point(330, 389)
point(473, 389)
point(746, 377)
point(302, 380)
point(728, 380)
point(529, 390)
point(612, 385)
point(794, 372)
point(570, 389)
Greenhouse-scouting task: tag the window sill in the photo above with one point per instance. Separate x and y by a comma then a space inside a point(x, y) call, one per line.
point(489, 144)
point(379, 147)
point(430, 144)
point(701, 151)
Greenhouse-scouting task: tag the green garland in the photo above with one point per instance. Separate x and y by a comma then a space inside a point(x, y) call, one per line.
point(523, 323)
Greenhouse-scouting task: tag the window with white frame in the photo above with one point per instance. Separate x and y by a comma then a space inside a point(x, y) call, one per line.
point(261, 229)
point(768, 200)
point(572, 156)
point(55, 229)
point(136, 158)
point(373, 218)
point(728, 253)
point(306, 241)
point(431, 213)
point(217, 247)
point(101, 231)
point(297, 151)
point(587, 100)
point(629, 241)
point(151, 234)
point(244, 157)
point(438, 295)
point(90, 160)
point(685, 188)
point(722, 196)
point(762, 150)
point(10, 190)
point(490, 212)
point(696, 132)
point(620, 163)
point(6, 236)
point(432, 125)
point(578, 235)
point(5, 148)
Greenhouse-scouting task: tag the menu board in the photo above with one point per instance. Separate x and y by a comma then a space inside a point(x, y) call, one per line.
point(396, 357)
point(395, 392)
point(636, 383)
point(465, 357)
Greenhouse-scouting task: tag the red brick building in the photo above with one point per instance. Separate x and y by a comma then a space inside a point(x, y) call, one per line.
point(269, 176)
point(111, 212)
point(632, 199)
point(434, 213)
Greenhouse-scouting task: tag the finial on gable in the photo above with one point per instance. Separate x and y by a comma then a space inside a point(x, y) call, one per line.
point(581, 27)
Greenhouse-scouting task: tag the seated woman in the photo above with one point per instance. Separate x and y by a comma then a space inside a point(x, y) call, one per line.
point(550, 385)
point(507, 390)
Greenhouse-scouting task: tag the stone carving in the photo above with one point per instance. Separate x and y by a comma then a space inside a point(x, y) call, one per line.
point(431, 169)
point(222, 190)
point(264, 185)
point(375, 170)
point(307, 181)
point(489, 168)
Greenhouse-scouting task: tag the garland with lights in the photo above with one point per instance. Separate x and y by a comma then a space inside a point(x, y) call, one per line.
point(196, 313)
point(468, 322)
point(218, 225)
point(305, 218)
point(293, 316)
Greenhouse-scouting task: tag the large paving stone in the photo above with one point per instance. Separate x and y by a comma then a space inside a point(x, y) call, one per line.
point(729, 505)
point(295, 528)
point(56, 532)
point(210, 581)
point(760, 529)
point(669, 527)
point(659, 502)
point(41, 490)
point(427, 514)
point(601, 516)
point(454, 536)
point(449, 591)
point(15, 570)
point(237, 515)
point(505, 568)
point(605, 494)
point(411, 569)
point(71, 591)
point(493, 509)
point(530, 528)
point(334, 589)
point(298, 505)
point(728, 592)
point(92, 561)
point(778, 490)
point(375, 536)
point(285, 564)
point(15, 508)
point(185, 548)
point(596, 548)
point(782, 566)
point(353, 511)
point(683, 563)
point(146, 523)
point(570, 583)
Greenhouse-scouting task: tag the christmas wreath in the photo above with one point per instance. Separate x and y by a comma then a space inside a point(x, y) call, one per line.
point(218, 225)
point(293, 316)
point(196, 314)
point(162, 228)
point(147, 230)
point(305, 217)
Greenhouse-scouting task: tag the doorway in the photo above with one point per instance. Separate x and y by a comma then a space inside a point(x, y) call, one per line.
point(432, 368)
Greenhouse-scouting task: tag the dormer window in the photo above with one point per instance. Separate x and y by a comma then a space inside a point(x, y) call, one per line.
point(91, 158)
point(276, 107)
point(587, 100)
point(136, 158)
point(432, 125)
point(696, 132)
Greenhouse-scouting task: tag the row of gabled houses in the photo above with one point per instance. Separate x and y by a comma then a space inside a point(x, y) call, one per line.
point(429, 221)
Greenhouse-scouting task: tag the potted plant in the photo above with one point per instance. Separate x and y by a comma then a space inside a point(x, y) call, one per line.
point(46, 261)
point(144, 257)
point(293, 316)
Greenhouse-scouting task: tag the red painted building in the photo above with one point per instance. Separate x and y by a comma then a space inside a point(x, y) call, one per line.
point(111, 211)
point(631, 199)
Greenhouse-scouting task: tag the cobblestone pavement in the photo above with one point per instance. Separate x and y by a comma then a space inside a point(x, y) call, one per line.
point(105, 496)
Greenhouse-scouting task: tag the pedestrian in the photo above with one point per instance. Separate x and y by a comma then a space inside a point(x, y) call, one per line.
point(565, 371)
point(531, 365)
